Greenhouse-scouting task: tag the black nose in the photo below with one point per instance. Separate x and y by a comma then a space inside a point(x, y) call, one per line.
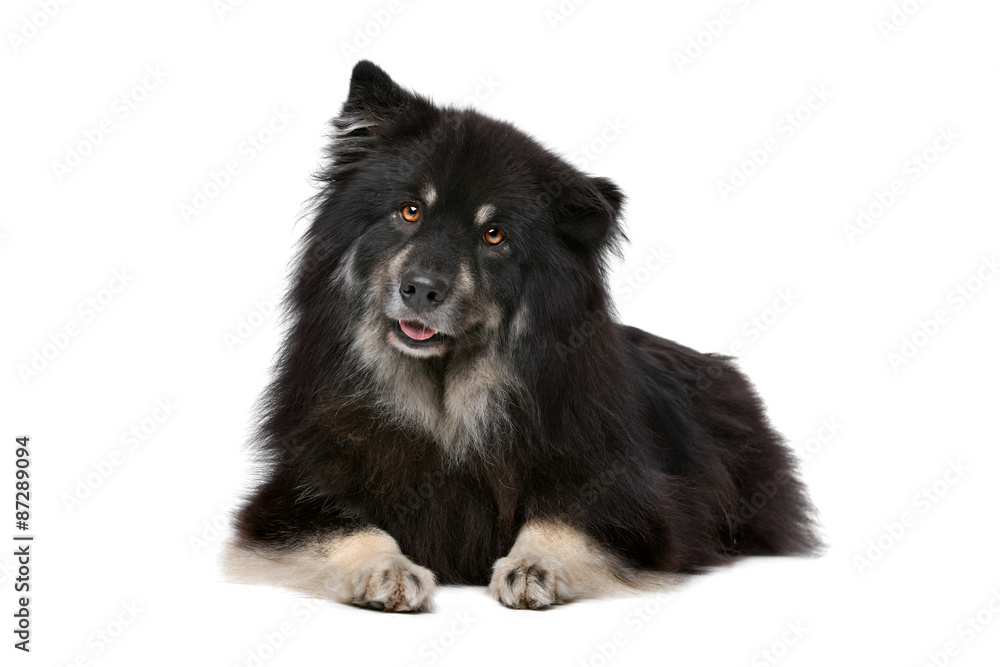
point(422, 291)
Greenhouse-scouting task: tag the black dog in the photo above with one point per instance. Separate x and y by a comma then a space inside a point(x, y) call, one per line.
point(453, 388)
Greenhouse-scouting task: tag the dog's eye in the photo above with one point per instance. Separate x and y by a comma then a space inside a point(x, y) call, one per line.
point(493, 236)
point(410, 212)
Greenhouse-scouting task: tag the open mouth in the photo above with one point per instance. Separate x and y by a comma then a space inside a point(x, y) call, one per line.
point(414, 333)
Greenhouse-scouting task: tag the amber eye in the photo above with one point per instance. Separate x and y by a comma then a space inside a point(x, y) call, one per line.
point(410, 212)
point(493, 236)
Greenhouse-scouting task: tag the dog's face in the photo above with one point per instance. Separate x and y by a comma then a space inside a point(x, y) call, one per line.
point(447, 241)
point(455, 217)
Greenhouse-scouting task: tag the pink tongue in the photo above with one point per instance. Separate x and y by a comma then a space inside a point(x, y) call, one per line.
point(415, 330)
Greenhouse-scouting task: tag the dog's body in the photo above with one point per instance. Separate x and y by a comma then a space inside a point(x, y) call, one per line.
point(453, 388)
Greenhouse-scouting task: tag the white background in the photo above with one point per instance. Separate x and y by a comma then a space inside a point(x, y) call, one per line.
point(605, 77)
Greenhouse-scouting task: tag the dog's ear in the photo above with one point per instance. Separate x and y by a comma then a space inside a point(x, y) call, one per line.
point(373, 94)
point(374, 102)
point(587, 211)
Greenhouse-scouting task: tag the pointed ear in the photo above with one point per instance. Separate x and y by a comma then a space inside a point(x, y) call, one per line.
point(374, 102)
point(373, 93)
point(588, 209)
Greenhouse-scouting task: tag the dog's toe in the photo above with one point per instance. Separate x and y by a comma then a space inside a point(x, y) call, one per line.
point(529, 581)
point(393, 583)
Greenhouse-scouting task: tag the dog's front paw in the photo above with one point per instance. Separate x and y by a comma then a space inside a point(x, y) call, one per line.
point(392, 583)
point(529, 581)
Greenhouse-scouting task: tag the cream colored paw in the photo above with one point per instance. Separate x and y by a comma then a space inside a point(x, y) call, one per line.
point(392, 583)
point(529, 581)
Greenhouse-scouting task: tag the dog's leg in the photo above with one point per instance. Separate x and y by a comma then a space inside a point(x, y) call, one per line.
point(552, 562)
point(310, 543)
point(363, 567)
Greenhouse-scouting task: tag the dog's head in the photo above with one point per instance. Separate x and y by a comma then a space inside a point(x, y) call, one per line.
point(449, 220)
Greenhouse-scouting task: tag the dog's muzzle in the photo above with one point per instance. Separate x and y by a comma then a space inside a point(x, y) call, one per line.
point(423, 292)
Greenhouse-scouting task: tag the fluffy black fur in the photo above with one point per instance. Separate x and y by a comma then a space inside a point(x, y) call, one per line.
point(661, 453)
